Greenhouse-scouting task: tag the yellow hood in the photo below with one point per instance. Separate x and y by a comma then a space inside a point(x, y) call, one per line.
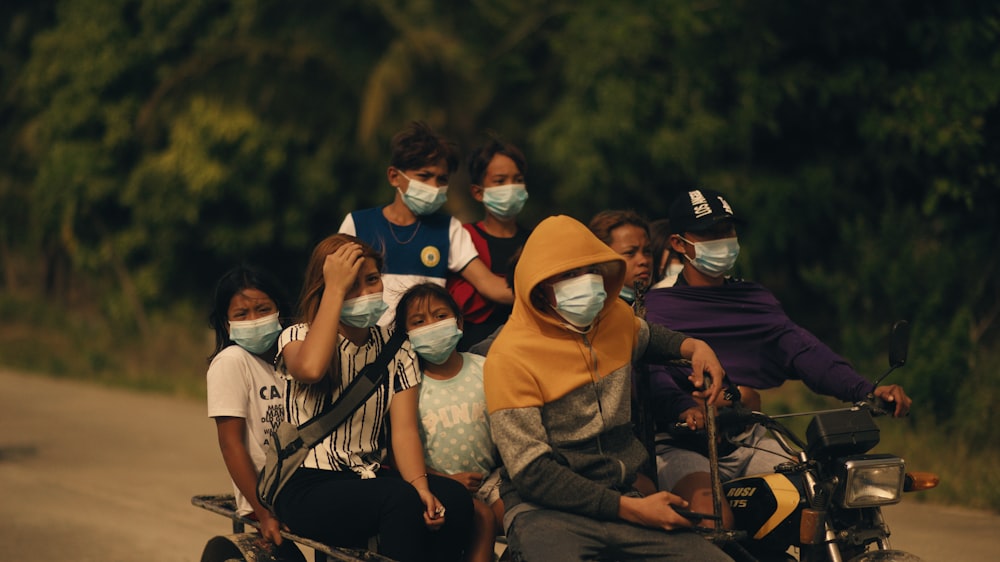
point(536, 358)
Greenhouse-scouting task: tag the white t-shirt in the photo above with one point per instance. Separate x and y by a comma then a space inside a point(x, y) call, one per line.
point(359, 444)
point(454, 427)
point(461, 251)
point(667, 281)
point(242, 385)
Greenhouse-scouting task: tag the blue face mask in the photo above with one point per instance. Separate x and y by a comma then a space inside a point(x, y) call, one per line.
point(423, 198)
point(255, 336)
point(714, 258)
point(505, 201)
point(363, 312)
point(435, 342)
point(627, 294)
point(580, 299)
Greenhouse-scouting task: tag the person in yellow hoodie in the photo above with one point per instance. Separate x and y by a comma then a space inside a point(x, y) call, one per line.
point(557, 382)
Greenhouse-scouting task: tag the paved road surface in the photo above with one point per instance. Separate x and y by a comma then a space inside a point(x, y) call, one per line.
point(95, 474)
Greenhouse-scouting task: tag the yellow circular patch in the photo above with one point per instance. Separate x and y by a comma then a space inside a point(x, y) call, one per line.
point(430, 256)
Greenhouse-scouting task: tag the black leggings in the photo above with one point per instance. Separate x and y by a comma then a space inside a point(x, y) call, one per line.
point(341, 509)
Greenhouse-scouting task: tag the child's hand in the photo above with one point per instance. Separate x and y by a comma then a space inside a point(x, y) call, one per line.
point(433, 510)
point(471, 480)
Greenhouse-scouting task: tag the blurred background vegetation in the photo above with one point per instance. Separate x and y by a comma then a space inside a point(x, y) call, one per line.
point(150, 145)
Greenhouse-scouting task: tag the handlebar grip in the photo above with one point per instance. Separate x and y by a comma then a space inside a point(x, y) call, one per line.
point(683, 427)
point(694, 516)
point(878, 406)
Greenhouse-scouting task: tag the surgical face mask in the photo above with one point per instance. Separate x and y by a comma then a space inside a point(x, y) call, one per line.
point(363, 312)
point(580, 299)
point(505, 201)
point(714, 257)
point(423, 198)
point(435, 342)
point(627, 294)
point(255, 336)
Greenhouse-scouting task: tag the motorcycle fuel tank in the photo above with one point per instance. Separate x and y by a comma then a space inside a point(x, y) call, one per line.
point(768, 507)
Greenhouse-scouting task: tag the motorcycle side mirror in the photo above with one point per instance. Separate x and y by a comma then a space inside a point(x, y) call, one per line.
point(899, 346)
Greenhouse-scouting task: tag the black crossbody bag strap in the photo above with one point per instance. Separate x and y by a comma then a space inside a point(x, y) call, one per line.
point(357, 392)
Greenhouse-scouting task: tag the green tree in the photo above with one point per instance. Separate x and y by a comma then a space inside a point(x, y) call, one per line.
point(151, 145)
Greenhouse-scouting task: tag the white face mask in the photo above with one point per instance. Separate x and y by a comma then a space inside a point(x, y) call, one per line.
point(423, 198)
point(505, 201)
point(435, 342)
point(255, 336)
point(363, 312)
point(580, 299)
point(715, 258)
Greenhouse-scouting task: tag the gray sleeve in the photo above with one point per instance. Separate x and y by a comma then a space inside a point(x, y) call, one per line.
point(483, 347)
point(664, 344)
point(537, 474)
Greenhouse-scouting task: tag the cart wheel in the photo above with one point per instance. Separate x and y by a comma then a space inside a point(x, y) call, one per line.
point(249, 547)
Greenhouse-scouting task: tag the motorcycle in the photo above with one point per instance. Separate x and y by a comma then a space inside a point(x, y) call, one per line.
point(826, 501)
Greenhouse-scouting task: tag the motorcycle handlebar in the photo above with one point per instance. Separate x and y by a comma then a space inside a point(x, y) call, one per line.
point(876, 406)
point(728, 419)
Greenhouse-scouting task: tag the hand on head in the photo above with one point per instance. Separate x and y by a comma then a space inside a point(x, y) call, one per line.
point(340, 269)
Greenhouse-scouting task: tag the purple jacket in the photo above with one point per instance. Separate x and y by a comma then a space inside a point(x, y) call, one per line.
point(756, 342)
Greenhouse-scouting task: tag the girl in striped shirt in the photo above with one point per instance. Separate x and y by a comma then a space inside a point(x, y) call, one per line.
point(343, 493)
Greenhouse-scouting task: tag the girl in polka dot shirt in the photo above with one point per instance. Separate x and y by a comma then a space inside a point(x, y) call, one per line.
point(454, 428)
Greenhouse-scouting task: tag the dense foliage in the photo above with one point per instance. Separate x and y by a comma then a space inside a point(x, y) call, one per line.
point(151, 145)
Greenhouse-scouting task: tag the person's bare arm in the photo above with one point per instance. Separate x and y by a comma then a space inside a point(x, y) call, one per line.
point(309, 360)
point(489, 284)
point(408, 452)
point(232, 441)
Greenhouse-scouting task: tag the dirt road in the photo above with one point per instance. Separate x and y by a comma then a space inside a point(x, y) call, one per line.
point(91, 473)
point(95, 474)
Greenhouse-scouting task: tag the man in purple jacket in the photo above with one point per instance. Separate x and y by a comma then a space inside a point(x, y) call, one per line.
point(756, 342)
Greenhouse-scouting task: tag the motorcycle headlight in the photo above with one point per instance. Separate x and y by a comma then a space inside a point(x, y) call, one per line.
point(872, 480)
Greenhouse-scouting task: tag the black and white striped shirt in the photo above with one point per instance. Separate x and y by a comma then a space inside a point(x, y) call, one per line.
point(359, 444)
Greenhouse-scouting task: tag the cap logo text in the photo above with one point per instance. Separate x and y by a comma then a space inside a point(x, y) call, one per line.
point(699, 205)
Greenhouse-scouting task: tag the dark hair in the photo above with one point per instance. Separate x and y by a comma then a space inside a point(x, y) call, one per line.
point(418, 145)
point(605, 222)
point(238, 279)
point(421, 292)
point(481, 156)
point(659, 241)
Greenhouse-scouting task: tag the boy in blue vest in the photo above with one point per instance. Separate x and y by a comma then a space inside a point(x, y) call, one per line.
point(418, 242)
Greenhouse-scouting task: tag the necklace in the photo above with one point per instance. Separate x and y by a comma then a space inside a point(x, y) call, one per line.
point(396, 238)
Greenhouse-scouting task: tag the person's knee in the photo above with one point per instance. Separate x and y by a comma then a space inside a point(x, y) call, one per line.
point(398, 495)
point(674, 464)
point(554, 535)
point(498, 512)
point(484, 513)
point(696, 488)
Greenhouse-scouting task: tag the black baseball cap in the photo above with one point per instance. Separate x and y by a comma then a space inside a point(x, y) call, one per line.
point(698, 210)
